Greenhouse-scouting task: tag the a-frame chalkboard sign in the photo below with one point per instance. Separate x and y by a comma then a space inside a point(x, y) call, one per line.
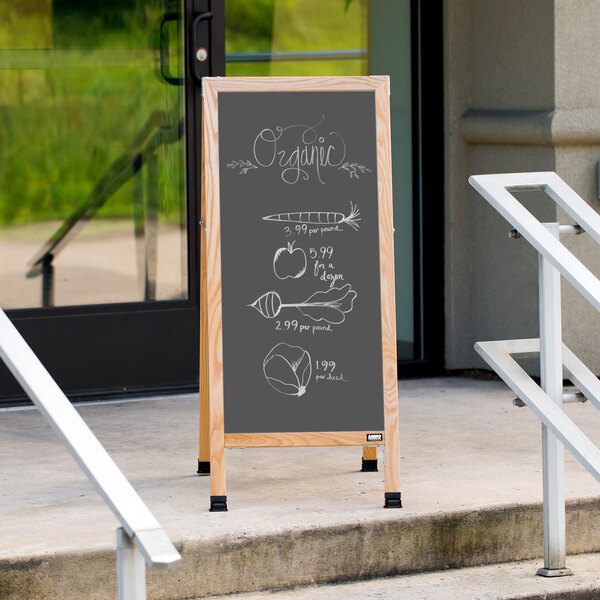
point(298, 334)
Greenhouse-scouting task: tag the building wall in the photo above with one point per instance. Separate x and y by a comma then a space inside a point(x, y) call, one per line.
point(576, 129)
point(520, 95)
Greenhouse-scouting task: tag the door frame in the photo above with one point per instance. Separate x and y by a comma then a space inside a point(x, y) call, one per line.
point(428, 169)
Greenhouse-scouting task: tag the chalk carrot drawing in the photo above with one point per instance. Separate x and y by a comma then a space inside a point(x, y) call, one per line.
point(288, 369)
point(319, 218)
point(330, 306)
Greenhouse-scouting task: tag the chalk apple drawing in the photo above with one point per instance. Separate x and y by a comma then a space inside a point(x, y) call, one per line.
point(289, 262)
point(288, 369)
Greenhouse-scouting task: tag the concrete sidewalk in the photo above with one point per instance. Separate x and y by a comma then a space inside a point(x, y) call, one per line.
point(506, 581)
point(471, 493)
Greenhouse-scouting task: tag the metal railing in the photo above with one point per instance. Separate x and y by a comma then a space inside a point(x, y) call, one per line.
point(140, 537)
point(546, 400)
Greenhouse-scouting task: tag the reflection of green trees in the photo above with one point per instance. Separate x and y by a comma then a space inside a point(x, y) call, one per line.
point(102, 23)
point(54, 151)
point(72, 99)
point(296, 25)
point(78, 82)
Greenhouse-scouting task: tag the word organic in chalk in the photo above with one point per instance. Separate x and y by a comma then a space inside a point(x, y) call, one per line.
point(300, 152)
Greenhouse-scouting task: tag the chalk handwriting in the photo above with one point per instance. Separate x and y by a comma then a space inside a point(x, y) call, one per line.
point(300, 152)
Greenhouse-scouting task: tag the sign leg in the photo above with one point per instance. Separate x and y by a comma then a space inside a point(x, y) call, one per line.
point(218, 491)
point(204, 412)
point(204, 434)
point(204, 447)
point(392, 461)
point(369, 459)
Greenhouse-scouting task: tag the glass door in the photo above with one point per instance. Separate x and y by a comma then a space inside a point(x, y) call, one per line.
point(368, 37)
point(98, 180)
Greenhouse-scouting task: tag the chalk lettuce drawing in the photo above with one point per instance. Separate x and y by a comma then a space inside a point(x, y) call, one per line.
point(288, 369)
point(319, 217)
point(330, 306)
point(289, 262)
point(300, 152)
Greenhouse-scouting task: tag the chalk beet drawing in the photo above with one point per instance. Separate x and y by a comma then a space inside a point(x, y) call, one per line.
point(319, 218)
point(330, 306)
point(288, 369)
point(289, 262)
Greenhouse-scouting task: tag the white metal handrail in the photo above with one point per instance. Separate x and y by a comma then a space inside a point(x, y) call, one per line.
point(546, 401)
point(500, 356)
point(496, 189)
point(140, 536)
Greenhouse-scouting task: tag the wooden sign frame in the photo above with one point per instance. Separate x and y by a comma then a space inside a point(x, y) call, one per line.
point(213, 439)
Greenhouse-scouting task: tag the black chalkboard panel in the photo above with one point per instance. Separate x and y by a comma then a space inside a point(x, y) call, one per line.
point(300, 272)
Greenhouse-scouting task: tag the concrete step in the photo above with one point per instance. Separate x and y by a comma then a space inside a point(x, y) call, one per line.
point(471, 491)
point(508, 581)
point(316, 555)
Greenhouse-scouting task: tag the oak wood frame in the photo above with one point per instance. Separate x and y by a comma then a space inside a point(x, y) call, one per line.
point(213, 439)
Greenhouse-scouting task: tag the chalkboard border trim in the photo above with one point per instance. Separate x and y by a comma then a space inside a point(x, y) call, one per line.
point(302, 439)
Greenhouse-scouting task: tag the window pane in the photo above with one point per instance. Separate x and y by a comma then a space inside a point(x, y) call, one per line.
point(280, 37)
point(92, 179)
point(342, 37)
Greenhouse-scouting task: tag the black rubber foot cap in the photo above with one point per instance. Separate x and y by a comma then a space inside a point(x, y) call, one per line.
point(218, 504)
point(392, 500)
point(203, 467)
point(369, 466)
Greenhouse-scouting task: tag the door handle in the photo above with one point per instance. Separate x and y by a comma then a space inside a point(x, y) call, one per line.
point(165, 67)
point(199, 59)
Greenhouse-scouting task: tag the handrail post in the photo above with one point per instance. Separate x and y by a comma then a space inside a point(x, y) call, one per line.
point(552, 383)
point(131, 569)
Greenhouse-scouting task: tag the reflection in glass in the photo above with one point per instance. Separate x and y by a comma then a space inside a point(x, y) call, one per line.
point(92, 176)
point(342, 37)
point(286, 37)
